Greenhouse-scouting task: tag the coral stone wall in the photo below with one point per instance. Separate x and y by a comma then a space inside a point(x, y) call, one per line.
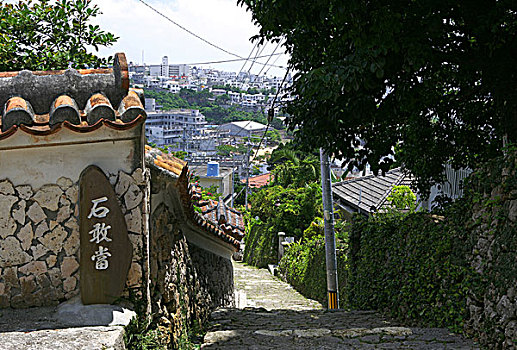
point(39, 250)
point(492, 305)
point(39, 238)
point(187, 282)
point(132, 192)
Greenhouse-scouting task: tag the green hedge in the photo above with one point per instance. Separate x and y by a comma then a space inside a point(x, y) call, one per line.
point(303, 266)
point(413, 267)
point(275, 209)
point(420, 267)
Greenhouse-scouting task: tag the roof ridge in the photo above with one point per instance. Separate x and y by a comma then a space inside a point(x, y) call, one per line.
point(384, 198)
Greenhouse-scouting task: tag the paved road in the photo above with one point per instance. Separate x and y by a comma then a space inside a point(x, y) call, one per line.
point(272, 315)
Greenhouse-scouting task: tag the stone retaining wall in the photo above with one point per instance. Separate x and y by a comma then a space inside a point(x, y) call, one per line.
point(39, 235)
point(492, 306)
point(187, 282)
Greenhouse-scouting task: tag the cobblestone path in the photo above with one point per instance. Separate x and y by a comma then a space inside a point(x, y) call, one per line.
point(270, 314)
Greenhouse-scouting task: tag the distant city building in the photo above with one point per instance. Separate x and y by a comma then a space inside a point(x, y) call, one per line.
point(183, 129)
point(169, 70)
point(223, 178)
point(243, 128)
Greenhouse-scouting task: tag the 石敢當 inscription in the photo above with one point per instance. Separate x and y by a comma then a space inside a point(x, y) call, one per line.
point(106, 251)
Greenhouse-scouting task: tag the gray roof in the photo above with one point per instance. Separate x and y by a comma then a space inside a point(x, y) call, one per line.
point(369, 192)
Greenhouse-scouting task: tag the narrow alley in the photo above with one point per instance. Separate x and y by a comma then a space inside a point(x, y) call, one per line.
point(270, 314)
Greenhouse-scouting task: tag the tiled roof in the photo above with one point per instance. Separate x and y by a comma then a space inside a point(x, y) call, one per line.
point(259, 180)
point(369, 193)
point(229, 219)
point(165, 161)
point(189, 194)
point(45, 102)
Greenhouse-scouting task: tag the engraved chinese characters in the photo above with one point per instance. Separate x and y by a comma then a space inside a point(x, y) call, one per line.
point(106, 251)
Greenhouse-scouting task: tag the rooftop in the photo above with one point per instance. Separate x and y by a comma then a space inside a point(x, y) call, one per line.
point(45, 102)
point(229, 219)
point(248, 125)
point(228, 231)
point(368, 194)
point(259, 180)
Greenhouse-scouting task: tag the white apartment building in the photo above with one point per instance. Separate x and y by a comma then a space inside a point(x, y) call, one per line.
point(169, 70)
point(179, 128)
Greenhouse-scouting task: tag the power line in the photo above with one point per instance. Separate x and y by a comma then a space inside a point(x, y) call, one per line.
point(270, 119)
point(188, 31)
point(256, 56)
point(264, 66)
point(242, 59)
point(251, 52)
point(272, 65)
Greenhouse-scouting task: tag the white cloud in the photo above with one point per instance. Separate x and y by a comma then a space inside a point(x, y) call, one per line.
point(221, 22)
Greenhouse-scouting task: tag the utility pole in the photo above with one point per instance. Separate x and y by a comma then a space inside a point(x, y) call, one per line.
point(247, 172)
point(233, 178)
point(330, 239)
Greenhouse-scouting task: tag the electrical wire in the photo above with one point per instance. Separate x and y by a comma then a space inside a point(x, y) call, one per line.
point(273, 64)
point(256, 56)
point(264, 66)
point(189, 31)
point(269, 120)
point(244, 65)
point(241, 59)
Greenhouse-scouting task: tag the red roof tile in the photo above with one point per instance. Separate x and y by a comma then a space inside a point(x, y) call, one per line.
point(259, 180)
point(230, 232)
point(31, 105)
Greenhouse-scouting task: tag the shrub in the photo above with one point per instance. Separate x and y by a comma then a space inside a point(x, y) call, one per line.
point(304, 265)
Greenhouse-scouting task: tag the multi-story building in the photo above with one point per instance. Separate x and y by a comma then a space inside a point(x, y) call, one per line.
point(183, 129)
point(169, 70)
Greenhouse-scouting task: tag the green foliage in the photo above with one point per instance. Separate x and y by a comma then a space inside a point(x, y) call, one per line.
point(139, 336)
point(275, 209)
point(44, 35)
point(210, 193)
point(402, 198)
point(303, 266)
point(215, 110)
point(277, 124)
point(273, 136)
point(226, 150)
point(431, 76)
point(228, 88)
point(239, 190)
point(418, 267)
point(167, 99)
point(141, 333)
point(292, 167)
point(413, 267)
point(167, 149)
point(179, 154)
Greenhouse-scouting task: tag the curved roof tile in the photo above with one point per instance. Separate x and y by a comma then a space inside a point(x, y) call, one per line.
point(84, 100)
point(190, 194)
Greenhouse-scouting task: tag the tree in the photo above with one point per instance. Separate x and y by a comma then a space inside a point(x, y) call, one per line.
point(434, 77)
point(275, 209)
point(43, 35)
point(294, 168)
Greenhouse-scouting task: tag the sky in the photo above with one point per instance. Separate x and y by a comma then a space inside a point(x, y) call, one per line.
point(222, 22)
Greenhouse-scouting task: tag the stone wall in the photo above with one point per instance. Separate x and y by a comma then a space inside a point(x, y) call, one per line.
point(133, 194)
point(187, 282)
point(39, 235)
point(492, 304)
